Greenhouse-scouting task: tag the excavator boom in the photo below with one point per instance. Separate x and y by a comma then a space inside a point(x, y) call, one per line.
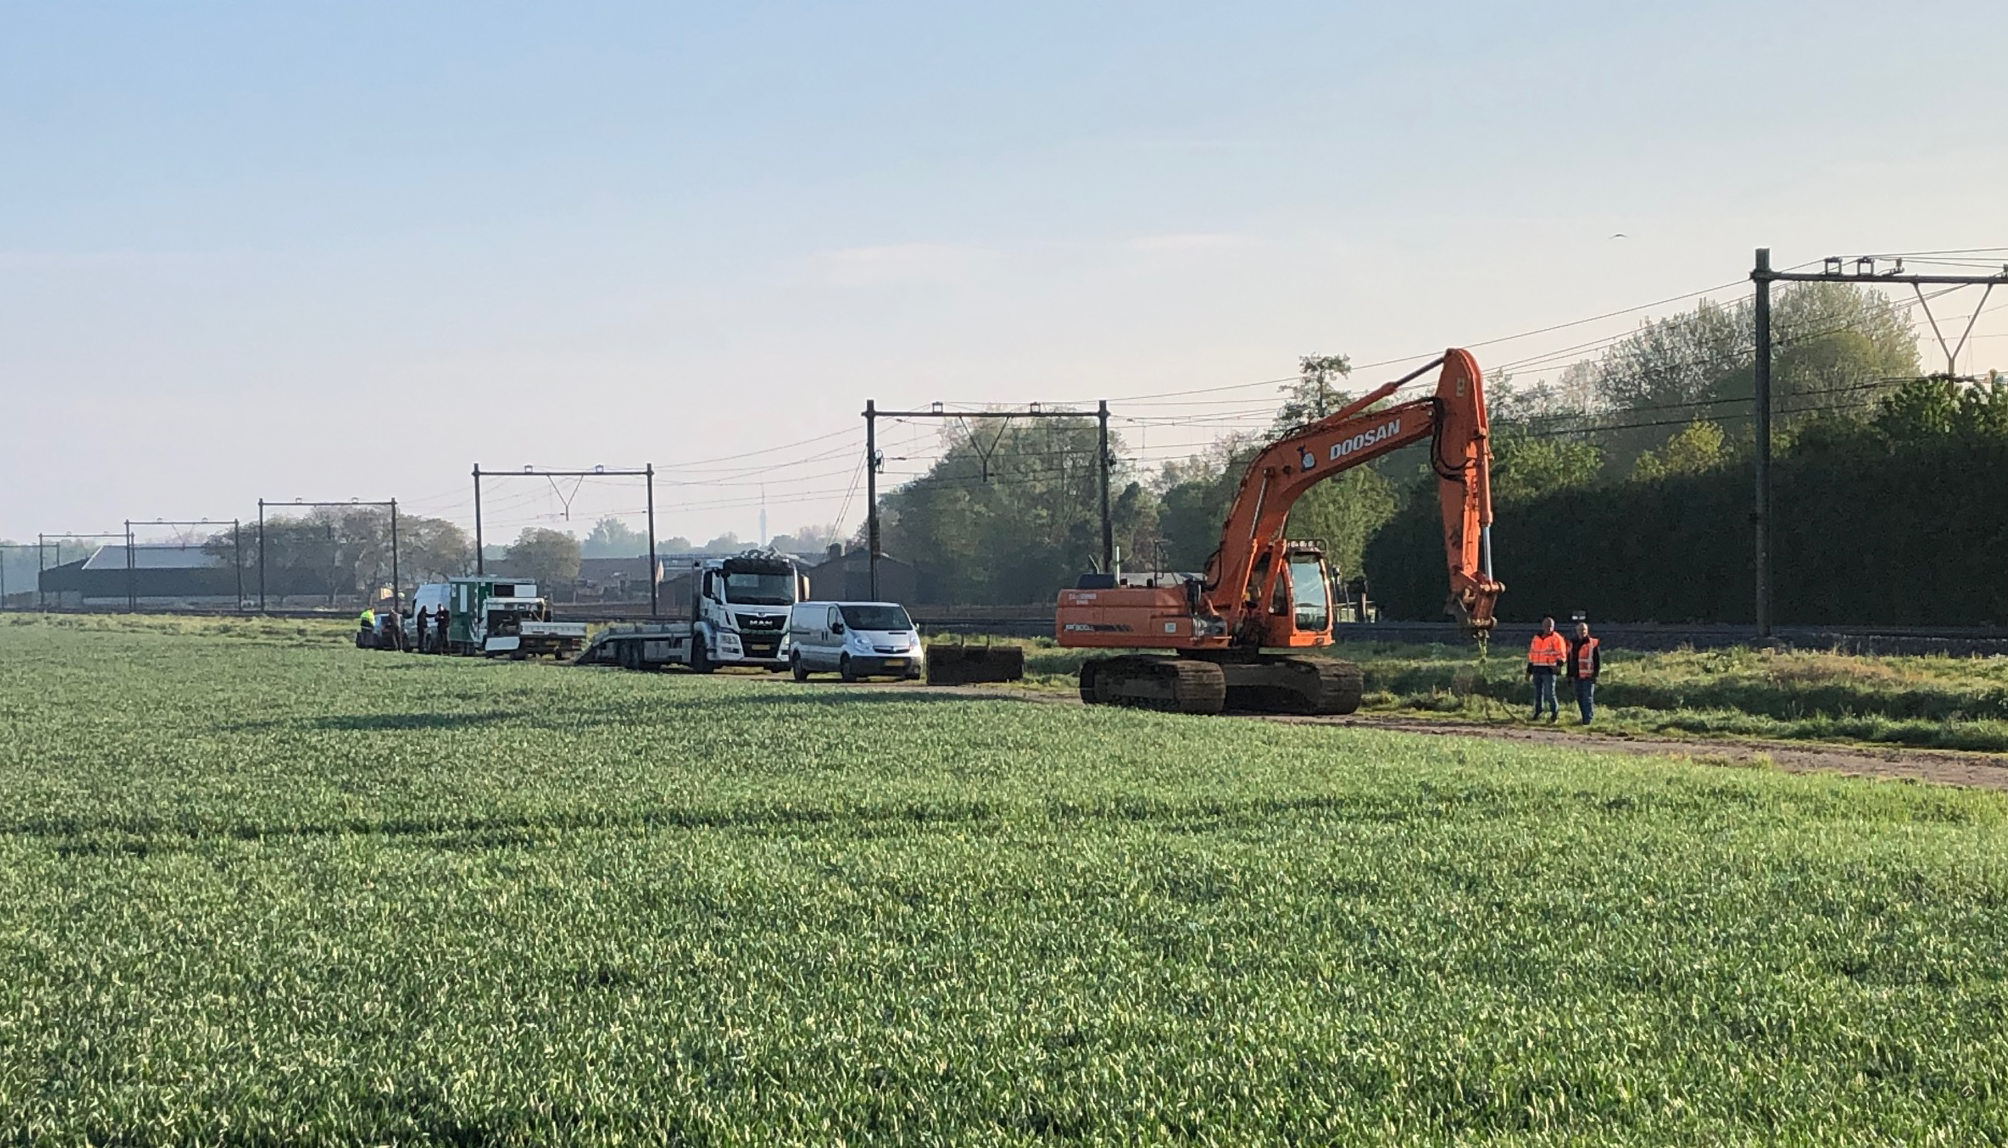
point(1453, 419)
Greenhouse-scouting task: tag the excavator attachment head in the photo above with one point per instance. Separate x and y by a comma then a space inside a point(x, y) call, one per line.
point(1472, 605)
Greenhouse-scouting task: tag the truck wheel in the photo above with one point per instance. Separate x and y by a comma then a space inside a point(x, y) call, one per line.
point(700, 655)
point(796, 668)
point(844, 670)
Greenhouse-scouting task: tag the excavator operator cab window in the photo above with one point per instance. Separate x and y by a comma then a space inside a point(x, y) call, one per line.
point(1310, 591)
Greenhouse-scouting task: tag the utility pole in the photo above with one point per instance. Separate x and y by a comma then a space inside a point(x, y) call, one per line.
point(42, 541)
point(647, 472)
point(261, 556)
point(236, 552)
point(1034, 411)
point(396, 585)
point(132, 588)
point(654, 568)
point(871, 495)
point(480, 559)
point(6, 549)
point(389, 504)
point(1760, 512)
point(1105, 464)
point(1834, 269)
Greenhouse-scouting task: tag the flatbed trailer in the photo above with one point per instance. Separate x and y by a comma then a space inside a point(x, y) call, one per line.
point(652, 645)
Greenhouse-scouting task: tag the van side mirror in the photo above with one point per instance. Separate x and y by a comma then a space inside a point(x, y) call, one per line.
point(836, 627)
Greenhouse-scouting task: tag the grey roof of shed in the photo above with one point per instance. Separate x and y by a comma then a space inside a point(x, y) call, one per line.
point(155, 556)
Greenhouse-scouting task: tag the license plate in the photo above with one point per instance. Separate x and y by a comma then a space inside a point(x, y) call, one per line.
point(895, 663)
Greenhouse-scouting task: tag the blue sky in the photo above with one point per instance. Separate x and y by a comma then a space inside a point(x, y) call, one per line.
point(573, 234)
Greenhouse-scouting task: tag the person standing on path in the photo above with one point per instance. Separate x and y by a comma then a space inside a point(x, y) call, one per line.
point(1545, 655)
point(424, 622)
point(1586, 661)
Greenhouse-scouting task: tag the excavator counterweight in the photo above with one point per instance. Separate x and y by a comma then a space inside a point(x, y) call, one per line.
point(1261, 592)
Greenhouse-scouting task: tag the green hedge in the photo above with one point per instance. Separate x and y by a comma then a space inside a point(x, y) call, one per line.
point(1866, 529)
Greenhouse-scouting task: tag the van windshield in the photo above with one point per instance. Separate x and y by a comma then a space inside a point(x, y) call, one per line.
point(876, 617)
point(760, 589)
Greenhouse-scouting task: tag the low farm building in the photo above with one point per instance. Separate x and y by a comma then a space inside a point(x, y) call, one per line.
point(157, 576)
point(847, 577)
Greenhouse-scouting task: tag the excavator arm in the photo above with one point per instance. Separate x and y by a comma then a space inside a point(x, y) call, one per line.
point(1454, 421)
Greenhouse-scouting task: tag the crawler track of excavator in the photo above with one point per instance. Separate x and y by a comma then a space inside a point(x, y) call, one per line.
point(1204, 686)
point(1175, 685)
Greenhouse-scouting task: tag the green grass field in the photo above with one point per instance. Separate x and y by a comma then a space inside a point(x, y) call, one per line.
point(259, 888)
point(1934, 702)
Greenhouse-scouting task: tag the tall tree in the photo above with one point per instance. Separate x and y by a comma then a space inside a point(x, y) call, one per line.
point(1316, 392)
point(613, 538)
point(1695, 450)
point(1837, 349)
point(551, 557)
point(432, 550)
point(805, 540)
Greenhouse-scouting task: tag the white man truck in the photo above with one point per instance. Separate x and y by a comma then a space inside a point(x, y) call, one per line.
point(738, 617)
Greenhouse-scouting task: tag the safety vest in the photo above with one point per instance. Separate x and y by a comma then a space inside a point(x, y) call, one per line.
point(1548, 651)
point(1586, 657)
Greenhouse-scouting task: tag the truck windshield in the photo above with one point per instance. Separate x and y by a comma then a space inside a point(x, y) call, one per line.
point(760, 589)
point(1307, 591)
point(876, 618)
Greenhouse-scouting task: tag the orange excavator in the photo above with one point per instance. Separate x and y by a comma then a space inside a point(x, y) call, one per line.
point(1262, 593)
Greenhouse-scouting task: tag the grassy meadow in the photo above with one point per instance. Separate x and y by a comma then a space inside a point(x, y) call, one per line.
point(257, 887)
point(1934, 701)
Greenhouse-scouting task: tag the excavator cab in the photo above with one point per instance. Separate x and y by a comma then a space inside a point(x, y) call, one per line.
point(1295, 596)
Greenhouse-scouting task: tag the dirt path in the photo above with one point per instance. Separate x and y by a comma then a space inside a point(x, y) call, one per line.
point(1948, 767)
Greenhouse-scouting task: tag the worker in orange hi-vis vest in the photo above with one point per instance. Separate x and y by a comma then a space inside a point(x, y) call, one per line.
point(1586, 661)
point(1546, 655)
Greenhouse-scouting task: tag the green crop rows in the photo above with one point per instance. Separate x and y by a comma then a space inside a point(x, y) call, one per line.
point(257, 888)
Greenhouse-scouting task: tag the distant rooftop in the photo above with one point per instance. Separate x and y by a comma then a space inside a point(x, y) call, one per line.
point(154, 556)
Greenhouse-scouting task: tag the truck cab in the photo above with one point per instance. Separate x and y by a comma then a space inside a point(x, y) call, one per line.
point(739, 610)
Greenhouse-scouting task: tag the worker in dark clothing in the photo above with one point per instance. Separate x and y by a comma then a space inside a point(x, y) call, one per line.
point(1586, 661)
point(424, 616)
point(440, 621)
point(1545, 656)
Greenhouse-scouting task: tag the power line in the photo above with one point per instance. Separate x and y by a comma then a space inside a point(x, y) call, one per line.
point(756, 453)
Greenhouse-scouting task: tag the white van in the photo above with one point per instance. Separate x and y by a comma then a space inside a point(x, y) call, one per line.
point(854, 639)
